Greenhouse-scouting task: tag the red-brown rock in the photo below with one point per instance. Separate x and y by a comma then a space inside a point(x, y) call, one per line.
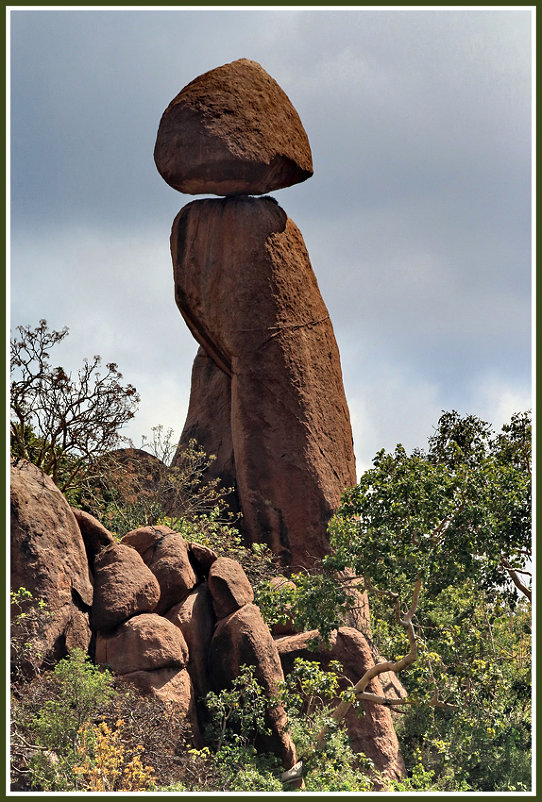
point(373, 734)
point(123, 587)
point(229, 586)
point(166, 554)
point(245, 287)
point(243, 638)
point(95, 536)
point(145, 539)
point(48, 559)
point(208, 422)
point(143, 643)
point(174, 687)
point(195, 619)
point(232, 131)
point(203, 557)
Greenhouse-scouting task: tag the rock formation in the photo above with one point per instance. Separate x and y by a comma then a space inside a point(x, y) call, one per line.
point(371, 733)
point(48, 558)
point(174, 618)
point(198, 644)
point(232, 131)
point(267, 394)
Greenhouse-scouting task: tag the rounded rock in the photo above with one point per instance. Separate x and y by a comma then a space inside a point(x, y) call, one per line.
point(232, 131)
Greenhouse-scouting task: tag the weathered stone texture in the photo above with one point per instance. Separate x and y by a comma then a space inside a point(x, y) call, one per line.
point(48, 559)
point(232, 131)
point(246, 288)
point(124, 587)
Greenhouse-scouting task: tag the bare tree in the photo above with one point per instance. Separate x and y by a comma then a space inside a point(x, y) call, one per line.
point(59, 421)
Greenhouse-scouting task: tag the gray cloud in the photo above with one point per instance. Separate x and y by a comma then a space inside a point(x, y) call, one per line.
point(417, 218)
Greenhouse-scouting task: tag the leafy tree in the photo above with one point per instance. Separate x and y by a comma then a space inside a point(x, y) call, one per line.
point(59, 421)
point(441, 541)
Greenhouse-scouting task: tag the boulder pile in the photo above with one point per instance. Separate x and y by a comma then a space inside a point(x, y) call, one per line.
point(170, 617)
point(267, 394)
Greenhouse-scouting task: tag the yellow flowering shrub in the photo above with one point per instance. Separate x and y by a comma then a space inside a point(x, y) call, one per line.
point(104, 764)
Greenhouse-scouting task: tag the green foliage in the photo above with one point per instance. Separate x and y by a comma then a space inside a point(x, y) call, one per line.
point(459, 511)
point(27, 617)
point(335, 767)
point(476, 653)
point(457, 520)
point(242, 768)
point(311, 601)
point(308, 687)
point(238, 717)
point(77, 690)
point(238, 713)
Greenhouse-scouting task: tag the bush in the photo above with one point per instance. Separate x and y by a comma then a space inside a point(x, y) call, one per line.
point(49, 720)
point(27, 616)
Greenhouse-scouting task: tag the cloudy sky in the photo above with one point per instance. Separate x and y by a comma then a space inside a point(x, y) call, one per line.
point(417, 218)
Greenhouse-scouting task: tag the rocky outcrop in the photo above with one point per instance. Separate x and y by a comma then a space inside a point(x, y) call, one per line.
point(373, 732)
point(181, 655)
point(145, 642)
point(232, 131)
point(229, 587)
point(166, 554)
point(48, 559)
point(243, 638)
point(196, 621)
point(123, 587)
point(95, 536)
point(245, 287)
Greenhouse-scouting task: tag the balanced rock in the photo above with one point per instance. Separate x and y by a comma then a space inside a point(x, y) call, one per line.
point(373, 733)
point(232, 131)
point(166, 553)
point(195, 619)
point(229, 586)
point(48, 559)
point(123, 587)
point(245, 287)
point(143, 643)
point(243, 638)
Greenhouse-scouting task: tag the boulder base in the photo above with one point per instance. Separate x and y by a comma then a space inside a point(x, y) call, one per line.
point(245, 287)
point(195, 619)
point(48, 559)
point(144, 643)
point(124, 587)
point(229, 586)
